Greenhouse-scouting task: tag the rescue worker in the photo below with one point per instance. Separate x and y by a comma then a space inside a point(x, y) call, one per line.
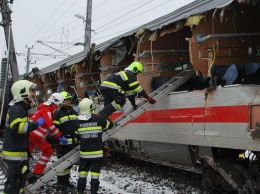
point(17, 129)
point(37, 138)
point(90, 131)
point(119, 85)
point(65, 120)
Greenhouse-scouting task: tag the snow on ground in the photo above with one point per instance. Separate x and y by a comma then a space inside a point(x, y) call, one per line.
point(120, 178)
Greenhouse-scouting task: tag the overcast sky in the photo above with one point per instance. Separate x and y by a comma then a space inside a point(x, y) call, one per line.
point(53, 22)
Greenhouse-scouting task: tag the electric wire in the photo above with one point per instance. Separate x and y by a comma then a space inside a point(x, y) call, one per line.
point(133, 17)
point(44, 24)
point(109, 23)
point(99, 5)
point(120, 10)
point(131, 11)
point(59, 18)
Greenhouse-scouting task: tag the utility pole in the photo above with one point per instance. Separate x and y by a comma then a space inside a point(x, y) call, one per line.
point(28, 59)
point(6, 23)
point(88, 26)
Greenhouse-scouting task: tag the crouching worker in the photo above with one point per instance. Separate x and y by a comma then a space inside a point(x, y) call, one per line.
point(37, 138)
point(118, 86)
point(15, 145)
point(91, 149)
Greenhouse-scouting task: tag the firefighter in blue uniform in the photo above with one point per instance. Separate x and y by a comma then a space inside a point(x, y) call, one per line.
point(90, 128)
point(66, 121)
point(120, 85)
point(15, 145)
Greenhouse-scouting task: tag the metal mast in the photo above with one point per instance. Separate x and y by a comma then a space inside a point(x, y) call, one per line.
point(6, 23)
point(88, 26)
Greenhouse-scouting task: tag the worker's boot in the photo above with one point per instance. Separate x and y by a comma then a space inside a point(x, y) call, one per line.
point(80, 191)
point(93, 191)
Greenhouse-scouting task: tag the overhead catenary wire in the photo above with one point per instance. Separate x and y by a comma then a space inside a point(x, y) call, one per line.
point(123, 15)
point(44, 24)
point(134, 17)
point(98, 37)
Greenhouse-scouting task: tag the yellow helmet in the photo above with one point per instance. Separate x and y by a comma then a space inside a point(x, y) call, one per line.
point(21, 89)
point(85, 106)
point(136, 67)
point(66, 95)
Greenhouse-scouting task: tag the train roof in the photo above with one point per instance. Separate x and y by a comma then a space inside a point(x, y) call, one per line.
point(196, 7)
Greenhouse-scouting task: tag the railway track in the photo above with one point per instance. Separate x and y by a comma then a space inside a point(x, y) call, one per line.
point(120, 166)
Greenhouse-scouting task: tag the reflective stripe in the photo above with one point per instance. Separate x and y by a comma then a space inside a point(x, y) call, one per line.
point(95, 175)
point(44, 158)
point(21, 190)
point(133, 83)
point(138, 89)
point(23, 128)
point(130, 92)
point(39, 134)
point(52, 127)
point(92, 131)
point(123, 75)
point(89, 128)
point(116, 106)
point(83, 174)
point(44, 129)
point(66, 118)
point(18, 120)
point(56, 122)
point(93, 154)
point(14, 155)
point(55, 133)
point(107, 125)
point(110, 85)
point(42, 162)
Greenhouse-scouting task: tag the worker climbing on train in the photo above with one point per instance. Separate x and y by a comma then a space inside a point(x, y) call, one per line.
point(37, 138)
point(65, 120)
point(120, 85)
point(90, 128)
point(17, 129)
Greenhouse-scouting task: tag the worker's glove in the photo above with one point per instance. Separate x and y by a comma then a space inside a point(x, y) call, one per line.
point(31, 178)
point(256, 133)
point(106, 151)
point(40, 121)
point(151, 100)
point(63, 140)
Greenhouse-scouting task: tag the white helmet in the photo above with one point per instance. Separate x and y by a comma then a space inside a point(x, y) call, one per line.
point(21, 89)
point(55, 98)
point(85, 106)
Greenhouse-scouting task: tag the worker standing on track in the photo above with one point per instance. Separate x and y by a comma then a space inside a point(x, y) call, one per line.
point(120, 85)
point(37, 138)
point(65, 120)
point(90, 131)
point(17, 129)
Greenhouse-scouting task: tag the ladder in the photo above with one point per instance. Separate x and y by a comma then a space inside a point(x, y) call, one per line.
point(73, 156)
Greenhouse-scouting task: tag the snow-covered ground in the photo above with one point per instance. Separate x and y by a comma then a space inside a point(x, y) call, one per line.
point(118, 177)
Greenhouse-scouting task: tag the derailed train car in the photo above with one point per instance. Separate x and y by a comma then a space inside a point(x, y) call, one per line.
point(205, 126)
